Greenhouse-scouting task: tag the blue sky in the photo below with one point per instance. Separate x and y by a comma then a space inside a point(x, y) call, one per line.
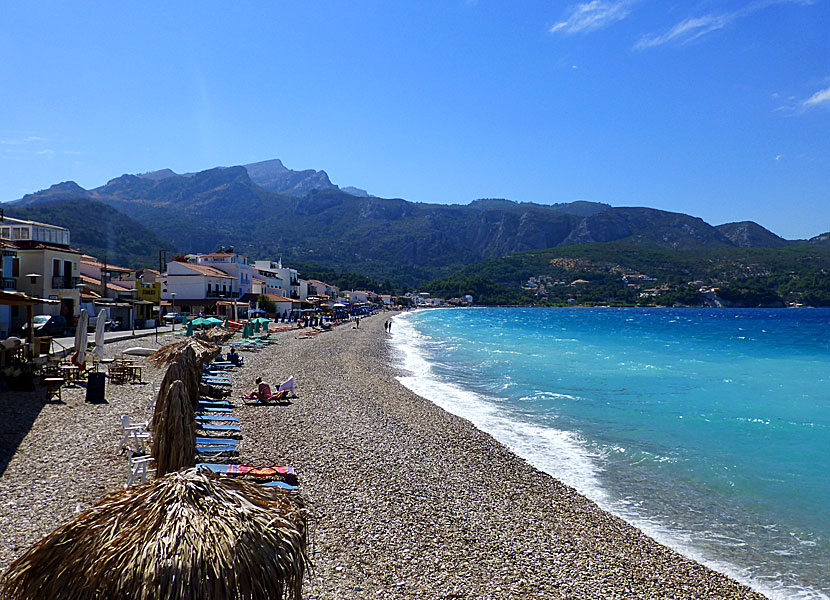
point(715, 108)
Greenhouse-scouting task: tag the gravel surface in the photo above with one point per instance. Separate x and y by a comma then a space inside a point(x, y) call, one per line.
point(407, 500)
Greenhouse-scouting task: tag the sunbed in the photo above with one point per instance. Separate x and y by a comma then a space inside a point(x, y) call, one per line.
point(208, 418)
point(215, 441)
point(212, 427)
point(275, 472)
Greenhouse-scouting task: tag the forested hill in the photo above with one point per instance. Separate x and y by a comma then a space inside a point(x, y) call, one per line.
point(616, 273)
point(98, 230)
point(265, 210)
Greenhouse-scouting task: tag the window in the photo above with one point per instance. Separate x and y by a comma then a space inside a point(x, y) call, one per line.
point(6, 233)
point(56, 268)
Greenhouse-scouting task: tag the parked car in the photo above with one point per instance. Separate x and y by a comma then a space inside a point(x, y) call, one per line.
point(109, 325)
point(47, 325)
point(172, 317)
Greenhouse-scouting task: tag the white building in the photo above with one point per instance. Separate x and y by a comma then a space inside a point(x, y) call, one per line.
point(44, 266)
point(192, 288)
point(273, 272)
point(317, 289)
point(230, 263)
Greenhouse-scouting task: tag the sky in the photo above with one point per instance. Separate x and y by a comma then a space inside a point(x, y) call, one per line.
point(715, 108)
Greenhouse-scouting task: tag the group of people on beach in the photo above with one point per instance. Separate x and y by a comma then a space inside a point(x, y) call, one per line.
point(387, 326)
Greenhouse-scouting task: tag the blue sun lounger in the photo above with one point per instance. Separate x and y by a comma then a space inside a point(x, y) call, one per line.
point(211, 441)
point(215, 449)
point(208, 418)
point(211, 427)
point(220, 409)
point(279, 484)
point(221, 469)
point(216, 403)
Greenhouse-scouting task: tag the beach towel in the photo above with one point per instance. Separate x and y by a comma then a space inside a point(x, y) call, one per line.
point(275, 472)
point(288, 384)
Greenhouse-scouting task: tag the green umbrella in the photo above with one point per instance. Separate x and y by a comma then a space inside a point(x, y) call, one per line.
point(226, 323)
point(245, 333)
point(199, 321)
point(213, 321)
point(189, 328)
point(257, 326)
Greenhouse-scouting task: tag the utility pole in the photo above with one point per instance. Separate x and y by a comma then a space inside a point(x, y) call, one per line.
point(104, 278)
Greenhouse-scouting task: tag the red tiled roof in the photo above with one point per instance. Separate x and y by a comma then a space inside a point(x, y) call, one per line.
point(205, 270)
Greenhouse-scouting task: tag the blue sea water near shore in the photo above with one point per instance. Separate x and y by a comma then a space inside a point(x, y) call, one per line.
point(707, 429)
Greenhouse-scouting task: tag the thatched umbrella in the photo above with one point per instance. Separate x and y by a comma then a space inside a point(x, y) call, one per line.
point(205, 351)
point(188, 535)
point(174, 431)
point(214, 335)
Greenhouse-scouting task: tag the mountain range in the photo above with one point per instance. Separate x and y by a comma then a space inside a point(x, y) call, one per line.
point(265, 210)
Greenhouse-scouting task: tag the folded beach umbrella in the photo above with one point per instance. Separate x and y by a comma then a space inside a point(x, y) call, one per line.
point(100, 326)
point(226, 323)
point(189, 535)
point(257, 326)
point(81, 335)
point(189, 330)
point(174, 430)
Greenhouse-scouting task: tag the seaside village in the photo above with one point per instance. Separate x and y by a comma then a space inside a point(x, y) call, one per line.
point(78, 331)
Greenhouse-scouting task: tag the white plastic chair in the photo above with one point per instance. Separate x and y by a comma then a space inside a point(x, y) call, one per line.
point(134, 433)
point(288, 384)
point(139, 467)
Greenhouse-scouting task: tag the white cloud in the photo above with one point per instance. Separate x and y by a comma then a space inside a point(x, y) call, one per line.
point(593, 15)
point(29, 139)
point(46, 152)
point(686, 31)
point(693, 28)
point(820, 98)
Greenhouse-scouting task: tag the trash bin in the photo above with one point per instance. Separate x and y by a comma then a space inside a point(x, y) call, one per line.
point(96, 388)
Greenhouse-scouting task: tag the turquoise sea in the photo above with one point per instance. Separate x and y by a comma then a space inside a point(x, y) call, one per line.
point(707, 429)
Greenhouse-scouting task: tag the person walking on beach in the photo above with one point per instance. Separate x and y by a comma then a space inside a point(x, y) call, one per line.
point(357, 322)
point(386, 325)
point(389, 326)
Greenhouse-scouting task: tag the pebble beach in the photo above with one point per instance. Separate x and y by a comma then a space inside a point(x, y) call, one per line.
point(406, 500)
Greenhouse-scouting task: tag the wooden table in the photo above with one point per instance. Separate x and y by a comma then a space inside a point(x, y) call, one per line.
point(53, 388)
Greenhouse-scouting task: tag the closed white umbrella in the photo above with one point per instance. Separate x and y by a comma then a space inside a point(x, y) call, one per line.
point(100, 326)
point(79, 358)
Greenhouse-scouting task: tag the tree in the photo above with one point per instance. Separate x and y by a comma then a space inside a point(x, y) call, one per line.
point(266, 304)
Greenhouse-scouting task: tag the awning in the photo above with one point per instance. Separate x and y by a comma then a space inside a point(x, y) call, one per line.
point(21, 299)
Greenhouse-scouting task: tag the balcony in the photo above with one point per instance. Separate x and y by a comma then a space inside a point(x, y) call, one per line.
point(218, 294)
point(7, 283)
point(65, 283)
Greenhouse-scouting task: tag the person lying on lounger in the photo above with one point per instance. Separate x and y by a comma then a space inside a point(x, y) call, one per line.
point(212, 391)
point(263, 393)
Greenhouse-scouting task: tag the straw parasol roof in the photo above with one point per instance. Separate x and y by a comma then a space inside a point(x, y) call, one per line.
point(205, 351)
point(214, 335)
point(174, 430)
point(187, 535)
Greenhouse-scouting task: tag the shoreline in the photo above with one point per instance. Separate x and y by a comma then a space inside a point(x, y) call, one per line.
point(407, 500)
point(532, 446)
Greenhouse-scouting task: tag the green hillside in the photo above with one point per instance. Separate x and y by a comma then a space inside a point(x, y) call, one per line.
point(98, 230)
point(628, 274)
